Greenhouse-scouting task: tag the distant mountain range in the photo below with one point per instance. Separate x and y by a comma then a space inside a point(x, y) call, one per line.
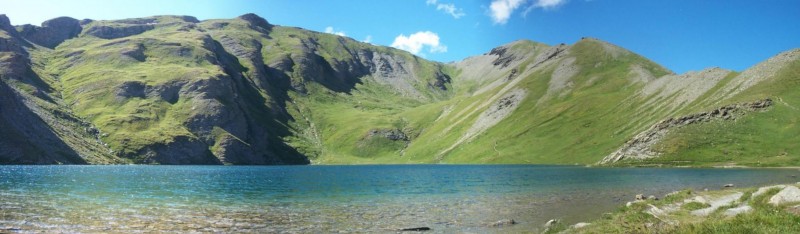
point(176, 90)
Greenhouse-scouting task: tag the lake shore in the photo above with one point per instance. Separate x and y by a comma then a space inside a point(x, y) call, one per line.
point(765, 209)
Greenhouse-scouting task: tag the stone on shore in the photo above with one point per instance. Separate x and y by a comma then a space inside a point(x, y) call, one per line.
point(580, 225)
point(717, 203)
point(738, 210)
point(551, 222)
point(763, 190)
point(789, 194)
point(698, 199)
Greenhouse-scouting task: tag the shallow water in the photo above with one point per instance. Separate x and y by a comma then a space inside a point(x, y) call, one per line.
point(301, 199)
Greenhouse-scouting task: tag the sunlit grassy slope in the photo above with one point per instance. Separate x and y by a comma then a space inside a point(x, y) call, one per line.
point(171, 89)
point(759, 139)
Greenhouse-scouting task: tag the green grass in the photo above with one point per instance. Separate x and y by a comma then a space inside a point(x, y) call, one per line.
point(757, 139)
point(765, 218)
point(579, 127)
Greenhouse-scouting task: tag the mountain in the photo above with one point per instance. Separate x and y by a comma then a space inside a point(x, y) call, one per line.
point(176, 90)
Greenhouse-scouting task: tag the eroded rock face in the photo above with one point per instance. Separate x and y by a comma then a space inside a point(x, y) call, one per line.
point(5, 25)
point(112, 32)
point(640, 147)
point(52, 32)
point(180, 151)
point(391, 134)
point(256, 22)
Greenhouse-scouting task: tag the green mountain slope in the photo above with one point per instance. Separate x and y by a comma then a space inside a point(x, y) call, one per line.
point(176, 90)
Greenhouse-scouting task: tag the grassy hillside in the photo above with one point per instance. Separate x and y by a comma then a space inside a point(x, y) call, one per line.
point(759, 139)
point(176, 90)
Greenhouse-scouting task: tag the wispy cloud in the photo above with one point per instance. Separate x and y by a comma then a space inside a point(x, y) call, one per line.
point(368, 39)
point(415, 43)
point(330, 30)
point(448, 8)
point(548, 3)
point(501, 10)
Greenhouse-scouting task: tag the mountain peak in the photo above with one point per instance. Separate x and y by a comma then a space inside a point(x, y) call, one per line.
point(5, 23)
point(256, 21)
point(608, 47)
point(52, 32)
point(4, 20)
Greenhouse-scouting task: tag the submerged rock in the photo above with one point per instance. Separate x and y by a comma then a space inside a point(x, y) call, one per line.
point(504, 222)
point(416, 229)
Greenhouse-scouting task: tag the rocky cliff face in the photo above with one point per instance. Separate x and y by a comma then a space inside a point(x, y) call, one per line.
point(34, 128)
point(641, 146)
point(52, 32)
point(225, 104)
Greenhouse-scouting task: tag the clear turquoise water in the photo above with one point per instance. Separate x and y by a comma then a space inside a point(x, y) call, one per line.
point(301, 199)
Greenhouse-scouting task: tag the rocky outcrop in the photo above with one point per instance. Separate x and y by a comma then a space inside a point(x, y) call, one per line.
point(52, 32)
point(789, 194)
point(391, 134)
point(640, 146)
point(5, 25)
point(716, 203)
point(256, 22)
point(117, 31)
point(180, 151)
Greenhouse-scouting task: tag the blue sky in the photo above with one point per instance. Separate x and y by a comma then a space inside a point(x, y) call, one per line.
point(682, 35)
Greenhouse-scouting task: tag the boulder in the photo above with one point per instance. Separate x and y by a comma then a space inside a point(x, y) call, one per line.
point(763, 190)
point(655, 211)
point(717, 203)
point(640, 197)
point(551, 223)
point(580, 225)
point(789, 194)
point(728, 186)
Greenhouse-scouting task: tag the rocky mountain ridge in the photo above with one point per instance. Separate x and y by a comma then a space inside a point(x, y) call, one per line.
point(177, 90)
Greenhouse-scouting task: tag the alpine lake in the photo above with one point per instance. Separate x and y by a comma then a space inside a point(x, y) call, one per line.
point(325, 199)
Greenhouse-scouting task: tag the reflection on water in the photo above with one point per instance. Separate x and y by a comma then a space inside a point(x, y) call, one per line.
point(332, 198)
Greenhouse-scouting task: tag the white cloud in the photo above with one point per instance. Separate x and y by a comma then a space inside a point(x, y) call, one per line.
point(501, 9)
point(368, 39)
point(416, 42)
point(548, 3)
point(330, 30)
point(448, 8)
